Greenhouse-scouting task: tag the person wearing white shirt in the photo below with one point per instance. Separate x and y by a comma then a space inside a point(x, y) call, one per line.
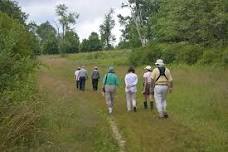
point(76, 77)
point(131, 81)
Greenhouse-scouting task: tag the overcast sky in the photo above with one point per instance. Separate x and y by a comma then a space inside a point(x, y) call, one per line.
point(91, 13)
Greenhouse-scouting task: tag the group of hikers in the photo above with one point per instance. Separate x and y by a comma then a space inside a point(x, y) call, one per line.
point(157, 83)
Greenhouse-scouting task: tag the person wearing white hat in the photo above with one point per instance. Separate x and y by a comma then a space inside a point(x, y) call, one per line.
point(163, 81)
point(147, 87)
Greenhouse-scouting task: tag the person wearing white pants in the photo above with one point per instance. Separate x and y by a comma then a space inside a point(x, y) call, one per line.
point(131, 81)
point(163, 81)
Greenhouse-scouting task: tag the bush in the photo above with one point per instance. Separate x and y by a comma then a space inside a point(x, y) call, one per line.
point(17, 85)
point(180, 53)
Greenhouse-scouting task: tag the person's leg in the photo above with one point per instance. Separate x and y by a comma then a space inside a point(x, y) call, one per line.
point(133, 101)
point(77, 84)
point(93, 84)
point(108, 101)
point(128, 101)
point(163, 100)
point(96, 84)
point(80, 83)
point(158, 100)
point(146, 95)
point(83, 84)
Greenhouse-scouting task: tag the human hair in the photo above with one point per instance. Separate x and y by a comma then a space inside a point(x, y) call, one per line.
point(131, 69)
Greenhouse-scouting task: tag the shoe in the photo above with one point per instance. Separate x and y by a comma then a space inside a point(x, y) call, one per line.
point(166, 115)
point(135, 109)
point(110, 110)
point(145, 105)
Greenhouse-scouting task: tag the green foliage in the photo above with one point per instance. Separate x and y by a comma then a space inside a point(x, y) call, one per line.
point(71, 42)
point(48, 40)
point(17, 85)
point(92, 44)
point(106, 30)
point(12, 9)
point(171, 53)
point(195, 21)
point(66, 18)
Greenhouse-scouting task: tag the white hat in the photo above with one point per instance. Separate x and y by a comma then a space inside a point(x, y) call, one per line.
point(159, 62)
point(148, 67)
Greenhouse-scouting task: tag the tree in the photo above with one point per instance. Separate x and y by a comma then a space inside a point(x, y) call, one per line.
point(106, 30)
point(12, 9)
point(72, 42)
point(84, 47)
point(48, 39)
point(94, 42)
point(194, 21)
point(138, 21)
point(15, 53)
point(66, 18)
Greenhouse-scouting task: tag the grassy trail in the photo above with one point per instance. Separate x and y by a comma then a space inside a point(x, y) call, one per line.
point(78, 121)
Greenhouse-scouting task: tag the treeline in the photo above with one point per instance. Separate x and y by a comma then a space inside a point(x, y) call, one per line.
point(63, 39)
point(18, 45)
point(180, 31)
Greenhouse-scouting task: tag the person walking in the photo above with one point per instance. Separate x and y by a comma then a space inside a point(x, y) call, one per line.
point(95, 78)
point(83, 76)
point(163, 81)
point(76, 77)
point(148, 87)
point(110, 83)
point(131, 81)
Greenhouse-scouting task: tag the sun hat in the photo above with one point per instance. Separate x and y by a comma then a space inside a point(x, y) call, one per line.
point(148, 67)
point(159, 62)
point(111, 69)
point(95, 67)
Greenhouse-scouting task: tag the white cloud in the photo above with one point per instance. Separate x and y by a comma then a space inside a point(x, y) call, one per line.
point(91, 13)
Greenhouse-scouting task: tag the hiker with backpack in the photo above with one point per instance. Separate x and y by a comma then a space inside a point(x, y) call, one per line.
point(76, 77)
point(147, 87)
point(83, 76)
point(162, 79)
point(95, 78)
point(110, 83)
point(131, 81)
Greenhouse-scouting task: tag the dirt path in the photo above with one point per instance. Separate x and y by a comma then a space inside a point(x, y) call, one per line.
point(73, 122)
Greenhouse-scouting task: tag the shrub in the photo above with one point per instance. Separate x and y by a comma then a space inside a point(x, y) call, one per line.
point(181, 53)
point(17, 85)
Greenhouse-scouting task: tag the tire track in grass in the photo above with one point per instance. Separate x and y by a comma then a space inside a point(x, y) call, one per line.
point(116, 133)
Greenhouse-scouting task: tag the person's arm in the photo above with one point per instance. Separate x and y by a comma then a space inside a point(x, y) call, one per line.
point(92, 75)
point(125, 80)
point(98, 74)
point(104, 79)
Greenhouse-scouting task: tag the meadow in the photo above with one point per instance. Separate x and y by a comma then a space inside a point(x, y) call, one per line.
point(78, 121)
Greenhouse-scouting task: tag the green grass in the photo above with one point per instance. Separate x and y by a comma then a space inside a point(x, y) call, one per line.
point(73, 120)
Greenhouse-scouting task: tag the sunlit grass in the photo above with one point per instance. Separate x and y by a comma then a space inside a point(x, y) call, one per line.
point(197, 107)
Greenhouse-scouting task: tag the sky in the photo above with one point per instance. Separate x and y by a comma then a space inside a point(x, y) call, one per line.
point(91, 13)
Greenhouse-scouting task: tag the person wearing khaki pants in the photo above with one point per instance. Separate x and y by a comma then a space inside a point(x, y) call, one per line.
point(163, 81)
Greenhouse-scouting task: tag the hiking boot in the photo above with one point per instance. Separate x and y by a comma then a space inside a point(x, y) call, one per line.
point(166, 115)
point(135, 109)
point(145, 105)
point(151, 105)
point(110, 110)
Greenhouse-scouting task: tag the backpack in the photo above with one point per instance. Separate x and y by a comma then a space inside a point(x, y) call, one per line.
point(161, 72)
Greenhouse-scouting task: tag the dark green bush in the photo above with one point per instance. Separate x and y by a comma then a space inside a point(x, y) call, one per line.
point(180, 53)
point(17, 84)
